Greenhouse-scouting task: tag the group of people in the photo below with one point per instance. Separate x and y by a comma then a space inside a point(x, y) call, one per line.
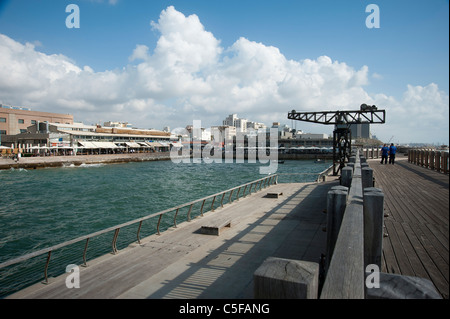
point(388, 152)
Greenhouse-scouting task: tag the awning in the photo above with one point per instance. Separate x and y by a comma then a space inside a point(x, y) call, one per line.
point(87, 144)
point(132, 144)
point(143, 144)
point(155, 144)
point(104, 145)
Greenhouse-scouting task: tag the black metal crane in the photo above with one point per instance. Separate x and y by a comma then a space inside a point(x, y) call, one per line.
point(342, 120)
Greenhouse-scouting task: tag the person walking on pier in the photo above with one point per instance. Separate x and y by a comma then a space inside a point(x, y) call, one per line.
point(392, 151)
point(384, 154)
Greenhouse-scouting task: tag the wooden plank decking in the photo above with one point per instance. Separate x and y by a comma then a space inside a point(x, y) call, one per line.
point(417, 201)
point(184, 263)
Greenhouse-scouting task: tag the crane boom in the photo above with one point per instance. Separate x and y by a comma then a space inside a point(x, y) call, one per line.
point(340, 117)
point(367, 114)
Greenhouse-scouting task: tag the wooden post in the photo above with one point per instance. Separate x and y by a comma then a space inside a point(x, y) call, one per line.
point(432, 160)
point(445, 162)
point(346, 176)
point(279, 278)
point(373, 227)
point(438, 161)
point(336, 203)
point(366, 177)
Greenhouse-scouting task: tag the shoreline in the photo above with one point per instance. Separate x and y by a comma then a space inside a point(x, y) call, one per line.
point(77, 160)
point(61, 161)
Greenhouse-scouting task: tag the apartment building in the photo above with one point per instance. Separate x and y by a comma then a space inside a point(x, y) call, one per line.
point(15, 120)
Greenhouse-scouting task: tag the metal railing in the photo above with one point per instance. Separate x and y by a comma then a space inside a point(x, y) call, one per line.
point(225, 197)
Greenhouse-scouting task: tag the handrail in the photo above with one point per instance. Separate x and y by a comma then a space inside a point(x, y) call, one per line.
point(433, 159)
point(271, 179)
point(345, 275)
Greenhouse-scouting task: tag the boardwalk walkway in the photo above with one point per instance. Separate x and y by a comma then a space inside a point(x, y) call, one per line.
point(417, 201)
point(183, 263)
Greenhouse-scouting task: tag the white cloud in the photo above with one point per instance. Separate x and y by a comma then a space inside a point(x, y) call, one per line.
point(188, 75)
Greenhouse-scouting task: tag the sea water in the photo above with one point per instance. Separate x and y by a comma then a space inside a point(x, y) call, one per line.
point(44, 207)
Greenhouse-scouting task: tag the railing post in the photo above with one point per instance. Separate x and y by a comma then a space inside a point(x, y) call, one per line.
point(373, 226)
point(221, 201)
point(243, 193)
point(84, 253)
point(157, 226)
point(432, 159)
point(438, 161)
point(46, 266)
point(189, 212)
point(237, 195)
point(212, 205)
point(346, 176)
point(336, 203)
point(230, 197)
point(201, 209)
point(176, 214)
point(114, 247)
point(367, 177)
point(445, 162)
point(137, 235)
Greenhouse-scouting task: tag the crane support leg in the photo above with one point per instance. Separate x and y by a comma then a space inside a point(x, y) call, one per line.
point(341, 148)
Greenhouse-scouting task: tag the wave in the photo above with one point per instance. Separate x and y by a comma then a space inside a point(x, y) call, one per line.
point(92, 165)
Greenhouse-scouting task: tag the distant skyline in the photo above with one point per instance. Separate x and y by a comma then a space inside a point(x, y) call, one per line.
point(167, 63)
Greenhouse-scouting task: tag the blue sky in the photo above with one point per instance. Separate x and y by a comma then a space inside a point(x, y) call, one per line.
point(403, 64)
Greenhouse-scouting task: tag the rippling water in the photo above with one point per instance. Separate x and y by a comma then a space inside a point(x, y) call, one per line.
point(41, 208)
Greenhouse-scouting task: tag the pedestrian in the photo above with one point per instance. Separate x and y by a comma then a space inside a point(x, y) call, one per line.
point(392, 151)
point(384, 154)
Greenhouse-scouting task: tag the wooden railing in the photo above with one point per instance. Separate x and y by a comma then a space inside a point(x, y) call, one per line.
point(345, 274)
point(432, 159)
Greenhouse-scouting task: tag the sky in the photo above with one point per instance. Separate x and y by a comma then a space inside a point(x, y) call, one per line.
point(168, 63)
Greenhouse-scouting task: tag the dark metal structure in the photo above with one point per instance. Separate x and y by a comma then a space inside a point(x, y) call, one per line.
point(368, 114)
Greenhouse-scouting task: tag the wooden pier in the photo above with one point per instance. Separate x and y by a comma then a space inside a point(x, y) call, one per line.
point(185, 263)
point(417, 204)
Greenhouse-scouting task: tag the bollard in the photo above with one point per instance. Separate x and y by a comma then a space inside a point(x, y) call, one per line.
point(367, 177)
point(373, 227)
point(352, 165)
point(346, 176)
point(336, 204)
point(279, 278)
